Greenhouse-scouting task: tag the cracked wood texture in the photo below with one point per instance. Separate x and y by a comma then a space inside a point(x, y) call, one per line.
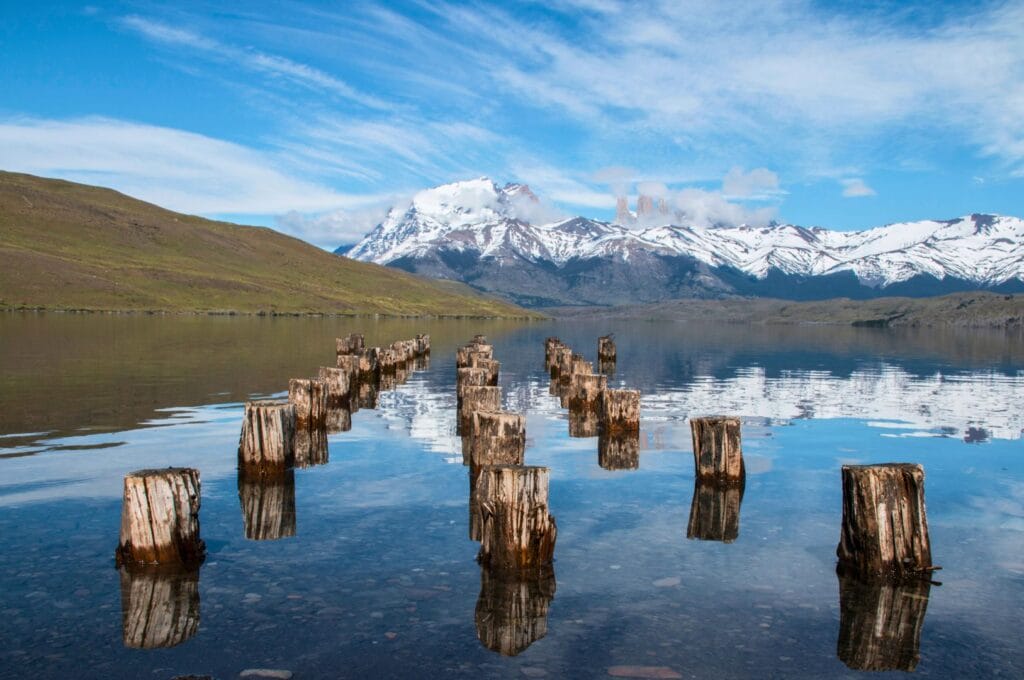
point(266, 446)
point(561, 359)
point(338, 383)
point(464, 355)
point(880, 623)
point(550, 345)
point(492, 366)
point(717, 453)
point(512, 613)
point(517, 533)
point(885, 527)
point(268, 506)
point(159, 606)
point(160, 518)
point(476, 399)
point(495, 438)
point(584, 393)
point(350, 344)
point(620, 410)
point(606, 349)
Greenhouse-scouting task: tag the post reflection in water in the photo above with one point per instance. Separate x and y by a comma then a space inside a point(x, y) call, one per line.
point(619, 451)
point(339, 419)
point(880, 623)
point(583, 423)
point(311, 447)
point(512, 610)
point(268, 506)
point(715, 512)
point(159, 605)
point(366, 395)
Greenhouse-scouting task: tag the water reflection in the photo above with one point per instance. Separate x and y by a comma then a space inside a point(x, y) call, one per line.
point(619, 451)
point(512, 612)
point(159, 605)
point(268, 506)
point(339, 419)
point(715, 512)
point(311, 447)
point(880, 624)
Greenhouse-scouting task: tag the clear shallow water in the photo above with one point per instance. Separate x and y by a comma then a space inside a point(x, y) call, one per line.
point(379, 579)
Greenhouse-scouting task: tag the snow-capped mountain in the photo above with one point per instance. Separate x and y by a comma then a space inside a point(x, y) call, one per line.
point(496, 239)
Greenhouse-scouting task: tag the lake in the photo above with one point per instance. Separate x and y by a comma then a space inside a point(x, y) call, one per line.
point(374, 574)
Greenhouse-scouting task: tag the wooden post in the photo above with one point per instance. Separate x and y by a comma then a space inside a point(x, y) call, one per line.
point(368, 363)
point(512, 613)
point(715, 512)
point(517, 532)
point(350, 344)
point(577, 366)
point(159, 605)
point(266, 446)
point(268, 506)
point(160, 518)
point(717, 454)
point(422, 344)
point(584, 423)
point(885, 527)
point(584, 393)
point(338, 384)
point(349, 363)
point(464, 355)
point(477, 399)
point(479, 339)
point(620, 410)
point(310, 399)
point(880, 623)
point(561, 360)
point(619, 451)
point(495, 438)
point(550, 344)
point(606, 349)
point(492, 366)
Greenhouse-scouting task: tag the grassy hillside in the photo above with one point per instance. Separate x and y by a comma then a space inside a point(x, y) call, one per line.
point(72, 246)
point(971, 310)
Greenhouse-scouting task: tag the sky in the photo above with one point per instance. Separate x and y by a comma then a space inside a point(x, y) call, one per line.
point(314, 118)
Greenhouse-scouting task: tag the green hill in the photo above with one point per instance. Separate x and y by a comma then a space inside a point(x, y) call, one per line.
point(76, 247)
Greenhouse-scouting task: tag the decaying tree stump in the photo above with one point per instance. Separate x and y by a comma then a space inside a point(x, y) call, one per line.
point(492, 366)
point(584, 423)
point(160, 518)
point(268, 506)
point(310, 399)
point(512, 613)
point(338, 384)
point(517, 532)
point(717, 454)
point(715, 512)
point(350, 344)
point(880, 623)
point(159, 605)
point(477, 399)
point(584, 393)
point(885, 527)
point(266, 446)
point(618, 451)
point(606, 349)
point(620, 410)
point(495, 438)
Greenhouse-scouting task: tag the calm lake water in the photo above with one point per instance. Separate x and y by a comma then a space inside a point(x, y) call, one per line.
point(379, 578)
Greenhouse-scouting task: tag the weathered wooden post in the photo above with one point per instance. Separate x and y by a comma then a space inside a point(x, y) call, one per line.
point(584, 392)
point(464, 355)
point(160, 518)
point(350, 344)
point(715, 512)
point(717, 454)
point(477, 399)
point(620, 411)
point(387, 360)
point(349, 363)
point(880, 623)
point(584, 424)
point(368, 363)
point(619, 451)
point(492, 366)
point(512, 613)
point(159, 605)
point(310, 399)
point(606, 349)
point(517, 533)
point(479, 339)
point(266, 446)
point(268, 506)
point(338, 384)
point(578, 365)
point(885, 527)
point(550, 344)
point(422, 344)
point(494, 439)
point(561, 360)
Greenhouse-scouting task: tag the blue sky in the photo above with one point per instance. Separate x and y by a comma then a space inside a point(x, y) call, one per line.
point(315, 117)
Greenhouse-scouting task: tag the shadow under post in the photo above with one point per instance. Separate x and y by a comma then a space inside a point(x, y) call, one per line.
point(159, 605)
point(715, 512)
point(268, 505)
point(618, 450)
point(512, 610)
point(880, 623)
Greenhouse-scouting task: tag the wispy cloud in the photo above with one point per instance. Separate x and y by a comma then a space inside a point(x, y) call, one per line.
point(854, 187)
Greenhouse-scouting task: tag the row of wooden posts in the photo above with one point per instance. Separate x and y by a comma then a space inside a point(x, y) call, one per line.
point(160, 548)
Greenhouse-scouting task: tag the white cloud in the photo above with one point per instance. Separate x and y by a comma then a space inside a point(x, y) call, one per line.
point(175, 169)
point(758, 183)
point(337, 227)
point(854, 187)
point(697, 207)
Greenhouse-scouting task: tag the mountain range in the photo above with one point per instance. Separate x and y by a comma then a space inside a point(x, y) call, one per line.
point(497, 240)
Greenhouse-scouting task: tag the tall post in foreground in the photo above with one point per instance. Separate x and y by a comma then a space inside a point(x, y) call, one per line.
point(517, 532)
point(885, 527)
point(477, 399)
point(717, 454)
point(160, 518)
point(620, 411)
point(266, 446)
